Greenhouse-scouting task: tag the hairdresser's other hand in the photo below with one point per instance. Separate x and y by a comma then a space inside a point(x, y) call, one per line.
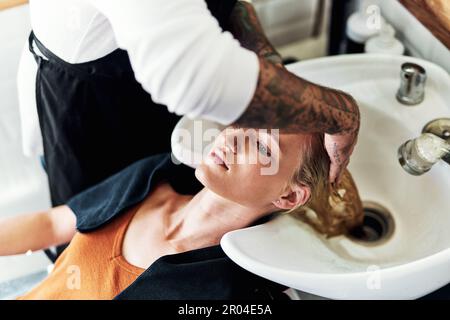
point(339, 148)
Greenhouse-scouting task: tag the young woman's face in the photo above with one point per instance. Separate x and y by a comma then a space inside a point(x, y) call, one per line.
point(251, 167)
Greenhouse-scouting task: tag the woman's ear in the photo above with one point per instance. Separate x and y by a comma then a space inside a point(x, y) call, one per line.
point(293, 197)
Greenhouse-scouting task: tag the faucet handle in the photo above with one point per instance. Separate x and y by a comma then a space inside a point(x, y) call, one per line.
point(417, 156)
point(441, 128)
point(412, 86)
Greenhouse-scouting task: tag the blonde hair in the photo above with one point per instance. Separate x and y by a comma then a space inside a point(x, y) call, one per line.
point(329, 210)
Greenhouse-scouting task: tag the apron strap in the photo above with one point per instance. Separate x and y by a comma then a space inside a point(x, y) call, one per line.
point(31, 41)
point(46, 53)
point(101, 66)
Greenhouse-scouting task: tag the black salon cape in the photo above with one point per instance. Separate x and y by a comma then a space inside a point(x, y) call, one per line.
point(202, 274)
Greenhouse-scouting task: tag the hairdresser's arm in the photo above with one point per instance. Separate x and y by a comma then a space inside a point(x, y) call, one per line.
point(324, 109)
point(244, 25)
point(204, 72)
point(182, 57)
point(36, 231)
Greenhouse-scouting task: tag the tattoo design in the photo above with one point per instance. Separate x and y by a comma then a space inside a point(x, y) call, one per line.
point(282, 100)
point(294, 105)
point(336, 154)
point(245, 27)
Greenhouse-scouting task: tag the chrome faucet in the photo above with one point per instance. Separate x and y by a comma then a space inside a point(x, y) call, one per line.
point(418, 155)
point(412, 86)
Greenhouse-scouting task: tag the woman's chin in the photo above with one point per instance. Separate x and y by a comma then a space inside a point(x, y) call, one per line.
point(204, 175)
point(212, 180)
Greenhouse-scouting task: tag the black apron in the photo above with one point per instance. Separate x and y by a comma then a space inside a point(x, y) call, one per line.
point(96, 119)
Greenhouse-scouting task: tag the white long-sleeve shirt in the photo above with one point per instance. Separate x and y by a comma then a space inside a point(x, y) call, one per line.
point(177, 49)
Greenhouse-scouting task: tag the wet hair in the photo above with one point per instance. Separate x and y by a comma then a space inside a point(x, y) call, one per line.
point(329, 210)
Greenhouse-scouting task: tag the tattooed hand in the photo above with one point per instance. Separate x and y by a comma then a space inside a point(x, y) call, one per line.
point(339, 148)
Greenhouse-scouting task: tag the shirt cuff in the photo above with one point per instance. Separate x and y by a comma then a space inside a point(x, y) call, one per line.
point(241, 86)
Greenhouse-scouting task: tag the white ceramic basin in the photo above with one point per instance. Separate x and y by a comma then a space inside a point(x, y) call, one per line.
point(416, 259)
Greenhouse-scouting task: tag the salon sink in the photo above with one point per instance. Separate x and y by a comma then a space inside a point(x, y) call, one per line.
point(414, 257)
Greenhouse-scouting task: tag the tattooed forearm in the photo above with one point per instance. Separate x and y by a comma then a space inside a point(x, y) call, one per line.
point(282, 100)
point(245, 27)
point(292, 104)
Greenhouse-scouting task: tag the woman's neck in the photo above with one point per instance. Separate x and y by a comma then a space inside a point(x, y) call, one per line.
point(206, 218)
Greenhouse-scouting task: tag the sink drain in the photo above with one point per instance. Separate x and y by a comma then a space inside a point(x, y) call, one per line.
point(378, 225)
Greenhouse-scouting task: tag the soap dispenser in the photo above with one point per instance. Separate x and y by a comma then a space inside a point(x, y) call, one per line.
point(361, 26)
point(385, 42)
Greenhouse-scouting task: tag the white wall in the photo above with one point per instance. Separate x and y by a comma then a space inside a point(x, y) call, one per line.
point(286, 21)
point(23, 185)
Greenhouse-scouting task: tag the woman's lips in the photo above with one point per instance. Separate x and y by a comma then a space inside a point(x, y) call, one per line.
point(218, 158)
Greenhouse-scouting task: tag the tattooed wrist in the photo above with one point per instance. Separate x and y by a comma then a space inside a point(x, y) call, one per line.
point(292, 104)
